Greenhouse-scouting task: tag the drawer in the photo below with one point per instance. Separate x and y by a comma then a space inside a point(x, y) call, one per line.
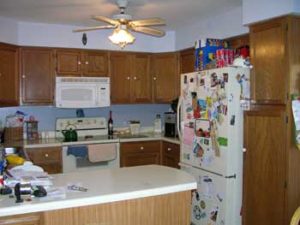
point(44, 155)
point(143, 146)
point(171, 148)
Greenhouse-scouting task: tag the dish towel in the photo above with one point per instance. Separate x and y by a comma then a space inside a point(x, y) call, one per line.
point(102, 152)
point(79, 151)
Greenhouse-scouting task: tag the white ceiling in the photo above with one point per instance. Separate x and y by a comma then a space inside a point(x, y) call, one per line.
point(77, 12)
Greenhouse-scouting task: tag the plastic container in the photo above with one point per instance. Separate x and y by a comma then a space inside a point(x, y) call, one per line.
point(157, 124)
point(135, 127)
point(32, 130)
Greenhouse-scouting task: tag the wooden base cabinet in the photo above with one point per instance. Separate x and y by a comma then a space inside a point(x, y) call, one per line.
point(272, 160)
point(140, 153)
point(9, 79)
point(49, 158)
point(170, 154)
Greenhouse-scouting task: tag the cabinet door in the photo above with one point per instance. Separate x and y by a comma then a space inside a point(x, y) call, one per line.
point(170, 154)
point(37, 72)
point(95, 63)
point(50, 158)
point(68, 63)
point(120, 78)
point(187, 61)
point(140, 153)
point(165, 77)
point(264, 167)
point(140, 79)
point(9, 81)
point(269, 75)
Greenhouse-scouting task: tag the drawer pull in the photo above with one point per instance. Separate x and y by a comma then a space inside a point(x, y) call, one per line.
point(46, 155)
point(142, 148)
point(169, 149)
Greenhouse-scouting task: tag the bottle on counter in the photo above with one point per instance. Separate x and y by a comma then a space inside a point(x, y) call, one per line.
point(110, 124)
point(157, 124)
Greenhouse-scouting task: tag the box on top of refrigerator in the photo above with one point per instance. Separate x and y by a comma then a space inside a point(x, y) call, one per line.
point(205, 52)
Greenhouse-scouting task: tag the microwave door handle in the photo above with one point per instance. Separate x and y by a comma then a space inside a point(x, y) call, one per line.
point(179, 118)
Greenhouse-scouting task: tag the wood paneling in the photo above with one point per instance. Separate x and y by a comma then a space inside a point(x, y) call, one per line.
point(170, 209)
point(170, 154)
point(140, 153)
point(9, 79)
point(49, 158)
point(25, 219)
point(37, 76)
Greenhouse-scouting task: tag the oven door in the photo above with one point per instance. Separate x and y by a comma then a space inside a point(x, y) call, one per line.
point(73, 163)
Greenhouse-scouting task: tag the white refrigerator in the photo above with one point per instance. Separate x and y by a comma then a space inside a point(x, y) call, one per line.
point(210, 118)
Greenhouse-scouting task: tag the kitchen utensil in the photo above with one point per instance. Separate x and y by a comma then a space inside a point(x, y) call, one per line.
point(70, 133)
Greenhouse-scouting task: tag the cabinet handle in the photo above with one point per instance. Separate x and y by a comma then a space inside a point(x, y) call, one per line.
point(79, 63)
point(86, 62)
point(154, 78)
point(142, 148)
point(134, 78)
point(46, 155)
point(169, 149)
point(128, 78)
point(23, 76)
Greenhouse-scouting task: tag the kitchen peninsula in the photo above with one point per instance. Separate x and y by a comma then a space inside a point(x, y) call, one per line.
point(129, 196)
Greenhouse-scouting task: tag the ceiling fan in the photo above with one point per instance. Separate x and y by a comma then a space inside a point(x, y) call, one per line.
point(122, 23)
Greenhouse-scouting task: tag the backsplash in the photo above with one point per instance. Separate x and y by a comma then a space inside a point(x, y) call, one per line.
point(46, 115)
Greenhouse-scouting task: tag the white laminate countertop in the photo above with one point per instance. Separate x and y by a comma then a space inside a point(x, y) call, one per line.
point(105, 186)
point(57, 142)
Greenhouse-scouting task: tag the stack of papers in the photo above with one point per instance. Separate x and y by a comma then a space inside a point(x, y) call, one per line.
point(32, 177)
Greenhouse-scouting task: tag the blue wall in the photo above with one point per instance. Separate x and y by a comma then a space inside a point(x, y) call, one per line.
point(46, 115)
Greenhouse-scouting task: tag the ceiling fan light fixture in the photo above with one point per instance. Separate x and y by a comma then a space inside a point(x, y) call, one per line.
point(121, 37)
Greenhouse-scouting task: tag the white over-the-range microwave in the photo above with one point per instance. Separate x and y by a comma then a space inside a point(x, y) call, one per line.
point(82, 92)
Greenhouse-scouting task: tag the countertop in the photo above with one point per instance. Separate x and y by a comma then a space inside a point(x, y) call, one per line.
point(105, 186)
point(57, 142)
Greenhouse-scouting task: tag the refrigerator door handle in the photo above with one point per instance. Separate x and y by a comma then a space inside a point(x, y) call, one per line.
point(178, 118)
point(230, 177)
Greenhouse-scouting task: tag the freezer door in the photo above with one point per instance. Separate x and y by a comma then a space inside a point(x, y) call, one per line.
point(215, 202)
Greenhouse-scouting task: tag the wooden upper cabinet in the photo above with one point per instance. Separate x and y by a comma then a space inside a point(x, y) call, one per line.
point(165, 69)
point(140, 79)
point(68, 62)
point(37, 76)
point(95, 63)
point(81, 63)
point(120, 77)
point(187, 61)
point(9, 80)
point(269, 79)
point(238, 41)
point(130, 78)
point(265, 167)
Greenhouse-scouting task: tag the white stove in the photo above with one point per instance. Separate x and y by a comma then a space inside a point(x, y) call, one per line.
point(86, 127)
point(90, 131)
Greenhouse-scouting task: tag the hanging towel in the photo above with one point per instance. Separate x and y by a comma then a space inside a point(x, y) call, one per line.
point(102, 152)
point(79, 151)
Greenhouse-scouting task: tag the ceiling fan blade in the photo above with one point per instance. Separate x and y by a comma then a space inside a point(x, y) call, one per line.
point(148, 22)
point(106, 20)
point(148, 30)
point(95, 28)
